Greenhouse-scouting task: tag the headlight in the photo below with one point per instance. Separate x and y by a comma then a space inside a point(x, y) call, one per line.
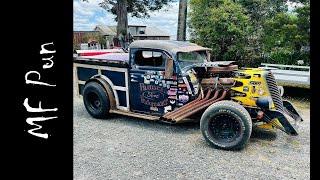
point(281, 90)
point(264, 102)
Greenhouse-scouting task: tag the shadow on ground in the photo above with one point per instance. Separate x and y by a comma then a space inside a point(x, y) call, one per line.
point(183, 128)
point(155, 125)
point(262, 134)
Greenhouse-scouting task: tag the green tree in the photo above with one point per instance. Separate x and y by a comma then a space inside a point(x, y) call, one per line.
point(303, 39)
point(221, 25)
point(287, 36)
point(259, 11)
point(265, 30)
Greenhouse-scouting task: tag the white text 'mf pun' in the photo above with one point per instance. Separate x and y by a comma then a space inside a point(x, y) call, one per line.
point(48, 63)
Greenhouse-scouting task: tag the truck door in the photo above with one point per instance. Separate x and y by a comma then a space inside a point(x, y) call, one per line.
point(149, 89)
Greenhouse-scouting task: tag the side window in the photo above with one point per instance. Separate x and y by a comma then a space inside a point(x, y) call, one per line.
point(150, 58)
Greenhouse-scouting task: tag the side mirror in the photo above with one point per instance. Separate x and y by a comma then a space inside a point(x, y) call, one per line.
point(169, 69)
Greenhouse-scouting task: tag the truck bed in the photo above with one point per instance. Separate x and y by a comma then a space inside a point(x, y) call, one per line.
point(113, 67)
point(110, 59)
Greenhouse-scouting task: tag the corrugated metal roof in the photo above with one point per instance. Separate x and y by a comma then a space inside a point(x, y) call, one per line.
point(153, 31)
point(94, 31)
point(150, 31)
point(107, 30)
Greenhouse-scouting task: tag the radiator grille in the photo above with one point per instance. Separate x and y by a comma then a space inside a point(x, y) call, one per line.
point(274, 91)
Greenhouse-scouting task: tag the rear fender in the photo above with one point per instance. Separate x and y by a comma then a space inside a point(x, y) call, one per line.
point(107, 87)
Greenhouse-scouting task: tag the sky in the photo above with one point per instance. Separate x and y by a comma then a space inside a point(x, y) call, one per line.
point(88, 14)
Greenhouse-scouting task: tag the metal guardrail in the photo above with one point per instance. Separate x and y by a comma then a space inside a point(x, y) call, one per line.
point(285, 75)
point(285, 66)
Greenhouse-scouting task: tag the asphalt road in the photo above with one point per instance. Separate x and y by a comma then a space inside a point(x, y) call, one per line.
point(122, 147)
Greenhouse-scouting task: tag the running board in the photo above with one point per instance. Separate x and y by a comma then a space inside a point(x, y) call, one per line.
point(133, 114)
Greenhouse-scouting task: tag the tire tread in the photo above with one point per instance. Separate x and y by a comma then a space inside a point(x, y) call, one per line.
point(231, 105)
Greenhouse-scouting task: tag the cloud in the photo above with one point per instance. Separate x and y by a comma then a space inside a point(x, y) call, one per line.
point(86, 14)
point(89, 14)
point(165, 19)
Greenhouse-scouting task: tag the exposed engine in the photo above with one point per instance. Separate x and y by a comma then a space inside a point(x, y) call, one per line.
point(243, 85)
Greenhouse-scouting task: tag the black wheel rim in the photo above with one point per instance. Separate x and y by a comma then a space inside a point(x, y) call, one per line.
point(225, 128)
point(94, 101)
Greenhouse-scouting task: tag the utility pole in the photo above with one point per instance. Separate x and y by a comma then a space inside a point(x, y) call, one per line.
point(182, 20)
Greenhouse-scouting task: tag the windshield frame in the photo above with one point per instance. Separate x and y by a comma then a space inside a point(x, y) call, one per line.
point(200, 51)
point(187, 64)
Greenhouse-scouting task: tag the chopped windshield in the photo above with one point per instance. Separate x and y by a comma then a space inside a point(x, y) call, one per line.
point(189, 58)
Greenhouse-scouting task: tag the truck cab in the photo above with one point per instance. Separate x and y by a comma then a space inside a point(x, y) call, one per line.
point(157, 82)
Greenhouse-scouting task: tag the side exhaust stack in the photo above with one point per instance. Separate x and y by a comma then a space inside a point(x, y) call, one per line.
point(194, 106)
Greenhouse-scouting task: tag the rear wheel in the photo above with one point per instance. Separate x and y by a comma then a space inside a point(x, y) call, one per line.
point(226, 125)
point(96, 100)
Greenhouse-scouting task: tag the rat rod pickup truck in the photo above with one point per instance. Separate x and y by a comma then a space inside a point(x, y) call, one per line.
point(174, 82)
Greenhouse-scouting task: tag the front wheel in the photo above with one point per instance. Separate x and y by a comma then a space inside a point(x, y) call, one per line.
point(226, 125)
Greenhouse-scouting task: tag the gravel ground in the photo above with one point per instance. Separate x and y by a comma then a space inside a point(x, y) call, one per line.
point(122, 147)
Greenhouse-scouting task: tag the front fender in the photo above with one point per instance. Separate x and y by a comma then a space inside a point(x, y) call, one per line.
point(283, 118)
point(101, 80)
point(291, 110)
